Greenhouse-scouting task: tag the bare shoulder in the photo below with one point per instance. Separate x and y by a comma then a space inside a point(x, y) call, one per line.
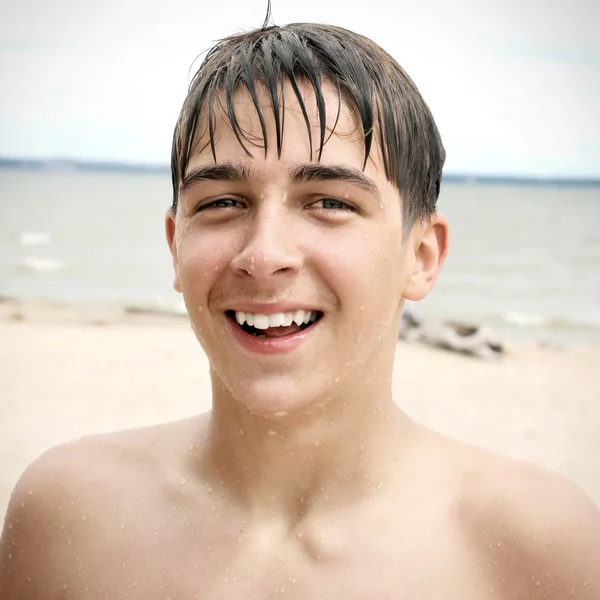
point(537, 531)
point(70, 499)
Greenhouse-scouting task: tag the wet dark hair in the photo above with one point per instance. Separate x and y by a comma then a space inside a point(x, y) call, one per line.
point(384, 100)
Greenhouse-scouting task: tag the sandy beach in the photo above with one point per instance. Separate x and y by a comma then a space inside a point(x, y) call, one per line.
point(67, 372)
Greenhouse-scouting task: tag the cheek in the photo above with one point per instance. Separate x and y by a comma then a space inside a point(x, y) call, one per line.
point(371, 261)
point(362, 272)
point(200, 260)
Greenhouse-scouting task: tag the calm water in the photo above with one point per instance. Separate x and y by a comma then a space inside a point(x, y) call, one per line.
point(525, 260)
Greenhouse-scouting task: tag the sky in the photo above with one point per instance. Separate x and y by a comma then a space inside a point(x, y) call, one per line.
point(514, 85)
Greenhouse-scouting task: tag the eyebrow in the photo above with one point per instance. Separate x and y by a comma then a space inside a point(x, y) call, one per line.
point(306, 173)
point(225, 171)
point(319, 172)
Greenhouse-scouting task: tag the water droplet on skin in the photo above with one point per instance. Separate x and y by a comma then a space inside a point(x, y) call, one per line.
point(272, 433)
point(183, 481)
point(209, 489)
point(240, 431)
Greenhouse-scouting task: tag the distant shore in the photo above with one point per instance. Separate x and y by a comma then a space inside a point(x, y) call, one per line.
point(68, 164)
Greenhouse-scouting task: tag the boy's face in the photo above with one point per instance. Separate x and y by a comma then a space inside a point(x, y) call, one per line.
point(273, 236)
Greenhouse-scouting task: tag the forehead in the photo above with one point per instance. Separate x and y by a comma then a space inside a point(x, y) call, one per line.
point(303, 129)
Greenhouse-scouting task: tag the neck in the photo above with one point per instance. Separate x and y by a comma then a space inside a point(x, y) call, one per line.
point(284, 467)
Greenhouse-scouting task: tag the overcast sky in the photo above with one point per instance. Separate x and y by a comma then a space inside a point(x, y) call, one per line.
point(514, 85)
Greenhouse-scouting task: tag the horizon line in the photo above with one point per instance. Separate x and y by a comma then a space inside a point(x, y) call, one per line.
point(56, 163)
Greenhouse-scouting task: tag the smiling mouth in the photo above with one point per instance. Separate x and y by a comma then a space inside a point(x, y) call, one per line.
point(276, 325)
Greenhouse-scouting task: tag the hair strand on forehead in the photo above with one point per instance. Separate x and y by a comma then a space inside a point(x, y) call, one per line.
point(387, 106)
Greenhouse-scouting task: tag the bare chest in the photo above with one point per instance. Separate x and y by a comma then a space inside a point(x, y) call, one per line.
point(213, 568)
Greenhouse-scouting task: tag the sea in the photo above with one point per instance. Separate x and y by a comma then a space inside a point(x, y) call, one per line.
point(524, 258)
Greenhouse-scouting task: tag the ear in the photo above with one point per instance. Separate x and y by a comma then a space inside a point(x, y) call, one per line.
point(428, 243)
point(170, 230)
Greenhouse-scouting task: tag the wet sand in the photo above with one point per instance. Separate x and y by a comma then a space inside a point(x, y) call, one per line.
point(67, 372)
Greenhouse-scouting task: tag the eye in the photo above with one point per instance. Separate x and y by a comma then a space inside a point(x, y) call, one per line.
point(221, 203)
point(333, 204)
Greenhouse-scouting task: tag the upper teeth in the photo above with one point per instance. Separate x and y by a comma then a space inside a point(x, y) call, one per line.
point(275, 320)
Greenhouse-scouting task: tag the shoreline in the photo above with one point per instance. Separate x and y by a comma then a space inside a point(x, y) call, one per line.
point(35, 311)
point(110, 313)
point(70, 371)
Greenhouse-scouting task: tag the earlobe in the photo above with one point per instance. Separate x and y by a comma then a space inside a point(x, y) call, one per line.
point(430, 249)
point(170, 230)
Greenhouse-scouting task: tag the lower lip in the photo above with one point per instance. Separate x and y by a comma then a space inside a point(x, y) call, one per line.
point(266, 345)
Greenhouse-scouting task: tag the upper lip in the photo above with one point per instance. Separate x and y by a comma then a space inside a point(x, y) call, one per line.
point(271, 308)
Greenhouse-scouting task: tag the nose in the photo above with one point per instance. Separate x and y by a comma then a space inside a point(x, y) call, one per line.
point(269, 248)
